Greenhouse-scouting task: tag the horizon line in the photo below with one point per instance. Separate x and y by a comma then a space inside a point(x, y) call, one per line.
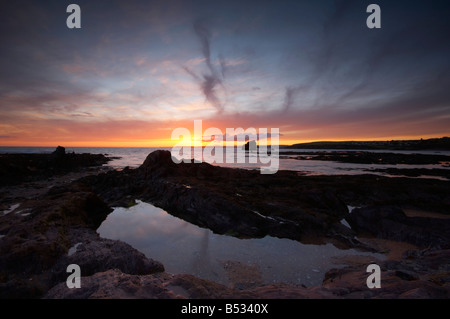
point(309, 142)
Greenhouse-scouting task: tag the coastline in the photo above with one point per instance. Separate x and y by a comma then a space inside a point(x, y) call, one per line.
point(57, 213)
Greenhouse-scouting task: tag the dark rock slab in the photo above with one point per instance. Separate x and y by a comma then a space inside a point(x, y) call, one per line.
point(95, 254)
point(390, 222)
point(19, 168)
point(364, 157)
point(114, 284)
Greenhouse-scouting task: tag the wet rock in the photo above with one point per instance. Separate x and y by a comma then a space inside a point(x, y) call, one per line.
point(366, 157)
point(158, 164)
point(415, 172)
point(411, 277)
point(19, 168)
point(113, 284)
point(390, 222)
point(405, 275)
point(85, 208)
point(95, 254)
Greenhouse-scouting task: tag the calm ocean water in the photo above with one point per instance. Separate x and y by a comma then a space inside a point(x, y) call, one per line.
point(135, 156)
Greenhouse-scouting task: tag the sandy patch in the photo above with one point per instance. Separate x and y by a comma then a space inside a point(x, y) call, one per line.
point(423, 213)
point(394, 250)
point(242, 276)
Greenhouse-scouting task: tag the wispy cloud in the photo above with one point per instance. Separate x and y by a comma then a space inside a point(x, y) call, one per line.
point(213, 78)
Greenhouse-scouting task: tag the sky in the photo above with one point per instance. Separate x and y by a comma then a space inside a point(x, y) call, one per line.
point(137, 70)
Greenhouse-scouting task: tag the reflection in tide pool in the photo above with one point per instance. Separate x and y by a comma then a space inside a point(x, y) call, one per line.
point(185, 248)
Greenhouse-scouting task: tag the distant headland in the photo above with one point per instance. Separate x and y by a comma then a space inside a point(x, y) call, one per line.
point(442, 143)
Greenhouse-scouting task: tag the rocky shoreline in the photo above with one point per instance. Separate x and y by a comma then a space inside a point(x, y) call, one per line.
point(367, 157)
point(46, 229)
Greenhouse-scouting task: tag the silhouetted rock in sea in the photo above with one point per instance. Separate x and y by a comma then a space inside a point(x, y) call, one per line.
point(59, 153)
point(45, 233)
point(250, 146)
